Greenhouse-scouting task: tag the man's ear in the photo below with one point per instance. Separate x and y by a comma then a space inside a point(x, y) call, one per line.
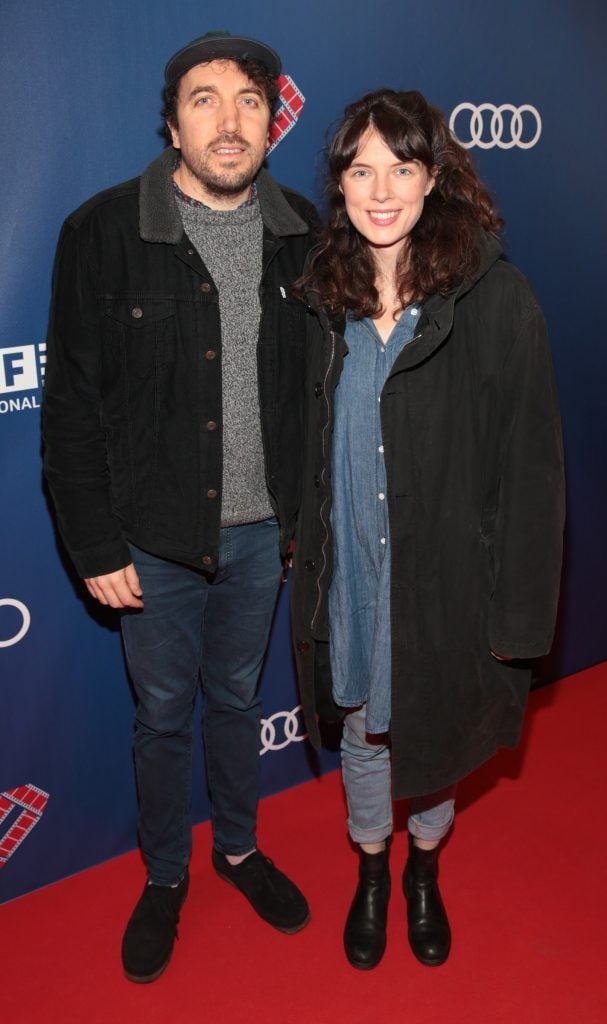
point(174, 134)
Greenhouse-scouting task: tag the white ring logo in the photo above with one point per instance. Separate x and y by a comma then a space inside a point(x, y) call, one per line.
point(496, 125)
point(290, 729)
point(25, 624)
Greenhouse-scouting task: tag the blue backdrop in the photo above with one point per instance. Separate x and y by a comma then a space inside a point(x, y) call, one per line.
point(81, 91)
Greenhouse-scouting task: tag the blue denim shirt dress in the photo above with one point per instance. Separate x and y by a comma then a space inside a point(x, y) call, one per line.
point(359, 595)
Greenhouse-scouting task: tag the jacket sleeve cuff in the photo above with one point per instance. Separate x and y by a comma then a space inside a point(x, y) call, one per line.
point(101, 560)
point(509, 648)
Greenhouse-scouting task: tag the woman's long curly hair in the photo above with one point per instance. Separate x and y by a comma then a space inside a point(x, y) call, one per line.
point(441, 249)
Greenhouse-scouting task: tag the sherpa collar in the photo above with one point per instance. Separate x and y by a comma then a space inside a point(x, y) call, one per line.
point(159, 219)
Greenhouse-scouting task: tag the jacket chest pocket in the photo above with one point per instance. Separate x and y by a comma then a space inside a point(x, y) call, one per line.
point(143, 330)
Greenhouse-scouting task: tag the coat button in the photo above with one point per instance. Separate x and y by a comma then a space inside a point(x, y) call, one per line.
point(211, 425)
point(210, 354)
point(205, 287)
point(207, 560)
point(309, 564)
point(211, 493)
point(137, 312)
point(303, 646)
point(318, 389)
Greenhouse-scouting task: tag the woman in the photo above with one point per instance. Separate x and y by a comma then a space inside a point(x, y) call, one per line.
point(428, 556)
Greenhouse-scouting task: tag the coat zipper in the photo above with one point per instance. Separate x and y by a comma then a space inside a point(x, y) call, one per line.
point(323, 476)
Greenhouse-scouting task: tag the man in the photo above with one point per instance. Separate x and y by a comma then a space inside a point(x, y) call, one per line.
point(172, 449)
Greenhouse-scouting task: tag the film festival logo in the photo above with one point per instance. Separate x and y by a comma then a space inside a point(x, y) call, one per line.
point(20, 808)
point(23, 806)
point(290, 106)
point(488, 126)
point(21, 377)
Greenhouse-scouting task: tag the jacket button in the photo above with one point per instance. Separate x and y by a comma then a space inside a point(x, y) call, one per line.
point(316, 481)
point(211, 425)
point(211, 493)
point(207, 560)
point(205, 287)
point(303, 646)
point(309, 565)
point(210, 354)
point(137, 312)
point(318, 389)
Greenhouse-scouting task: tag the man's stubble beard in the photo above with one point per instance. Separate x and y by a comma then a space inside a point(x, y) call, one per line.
point(222, 185)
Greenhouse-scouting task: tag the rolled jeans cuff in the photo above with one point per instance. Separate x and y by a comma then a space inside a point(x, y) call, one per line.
point(369, 835)
point(431, 832)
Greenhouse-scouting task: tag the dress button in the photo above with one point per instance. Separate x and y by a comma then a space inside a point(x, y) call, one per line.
point(211, 425)
point(207, 560)
point(309, 564)
point(211, 493)
point(137, 312)
point(318, 389)
point(205, 287)
point(210, 354)
point(303, 646)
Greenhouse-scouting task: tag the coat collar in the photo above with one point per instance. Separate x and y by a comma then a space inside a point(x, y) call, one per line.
point(438, 310)
point(159, 219)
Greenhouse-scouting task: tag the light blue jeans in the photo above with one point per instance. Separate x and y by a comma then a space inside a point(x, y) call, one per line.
point(366, 770)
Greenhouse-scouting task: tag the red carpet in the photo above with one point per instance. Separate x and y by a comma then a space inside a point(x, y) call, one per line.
point(522, 876)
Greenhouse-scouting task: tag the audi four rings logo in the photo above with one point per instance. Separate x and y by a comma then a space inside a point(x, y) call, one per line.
point(276, 736)
point(507, 126)
point(25, 621)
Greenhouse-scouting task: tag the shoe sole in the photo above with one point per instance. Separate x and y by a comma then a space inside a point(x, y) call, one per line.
point(290, 930)
point(145, 979)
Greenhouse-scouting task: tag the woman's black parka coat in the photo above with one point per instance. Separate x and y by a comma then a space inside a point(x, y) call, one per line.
point(474, 463)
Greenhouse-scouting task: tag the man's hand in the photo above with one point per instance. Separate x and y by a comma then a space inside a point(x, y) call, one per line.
point(119, 589)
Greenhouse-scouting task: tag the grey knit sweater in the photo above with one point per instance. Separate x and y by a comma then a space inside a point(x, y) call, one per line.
point(230, 245)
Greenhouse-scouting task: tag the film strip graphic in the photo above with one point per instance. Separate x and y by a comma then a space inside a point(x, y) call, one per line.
point(291, 106)
point(41, 360)
point(32, 802)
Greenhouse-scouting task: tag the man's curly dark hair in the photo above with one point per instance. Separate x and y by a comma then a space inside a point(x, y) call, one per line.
point(254, 70)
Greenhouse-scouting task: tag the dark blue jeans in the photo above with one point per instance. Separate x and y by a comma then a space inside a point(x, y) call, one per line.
point(214, 628)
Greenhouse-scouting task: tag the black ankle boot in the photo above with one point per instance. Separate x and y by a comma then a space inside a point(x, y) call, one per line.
point(429, 932)
point(365, 931)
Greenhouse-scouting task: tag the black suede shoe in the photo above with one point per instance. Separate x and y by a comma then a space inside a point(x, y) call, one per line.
point(429, 931)
point(365, 931)
point(152, 929)
point(275, 898)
